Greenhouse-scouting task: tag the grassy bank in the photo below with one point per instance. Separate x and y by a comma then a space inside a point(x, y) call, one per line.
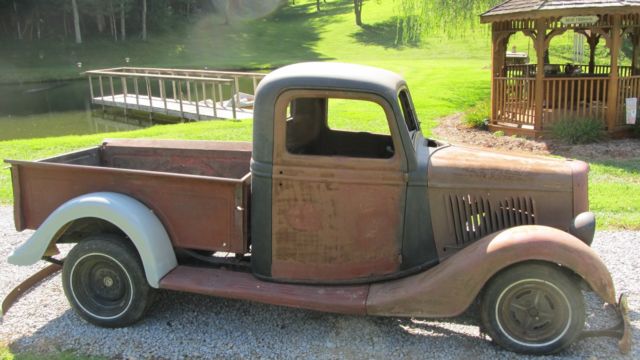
point(612, 184)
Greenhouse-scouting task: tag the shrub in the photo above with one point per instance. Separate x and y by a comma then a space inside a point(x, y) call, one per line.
point(577, 130)
point(478, 115)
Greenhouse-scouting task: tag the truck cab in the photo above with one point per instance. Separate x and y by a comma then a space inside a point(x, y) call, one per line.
point(337, 199)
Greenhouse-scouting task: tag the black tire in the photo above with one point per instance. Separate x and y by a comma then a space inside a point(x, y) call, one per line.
point(104, 281)
point(532, 308)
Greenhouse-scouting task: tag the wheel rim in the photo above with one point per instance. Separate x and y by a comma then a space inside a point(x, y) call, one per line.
point(101, 286)
point(533, 312)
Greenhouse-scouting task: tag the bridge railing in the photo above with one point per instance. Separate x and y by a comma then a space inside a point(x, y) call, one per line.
point(186, 93)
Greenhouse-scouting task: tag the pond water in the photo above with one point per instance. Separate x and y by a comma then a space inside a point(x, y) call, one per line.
point(46, 109)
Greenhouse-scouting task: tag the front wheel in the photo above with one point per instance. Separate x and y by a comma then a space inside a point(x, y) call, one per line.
point(533, 309)
point(104, 281)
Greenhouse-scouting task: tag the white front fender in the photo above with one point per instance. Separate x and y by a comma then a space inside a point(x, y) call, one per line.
point(137, 221)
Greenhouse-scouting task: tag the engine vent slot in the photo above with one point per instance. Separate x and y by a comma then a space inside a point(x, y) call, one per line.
point(473, 217)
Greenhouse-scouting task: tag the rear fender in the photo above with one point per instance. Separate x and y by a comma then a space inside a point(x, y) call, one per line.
point(449, 288)
point(137, 221)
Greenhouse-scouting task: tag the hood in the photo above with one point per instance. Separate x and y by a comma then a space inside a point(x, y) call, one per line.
point(472, 168)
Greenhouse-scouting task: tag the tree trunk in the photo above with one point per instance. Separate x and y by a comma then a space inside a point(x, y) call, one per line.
point(357, 8)
point(18, 26)
point(100, 22)
point(76, 21)
point(123, 28)
point(188, 8)
point(38, 29)
point(318, 5)
point(64, 23)
point(592, 40)
point(144, 20)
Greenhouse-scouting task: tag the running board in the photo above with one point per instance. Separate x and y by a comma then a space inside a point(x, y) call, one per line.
point(244, 286)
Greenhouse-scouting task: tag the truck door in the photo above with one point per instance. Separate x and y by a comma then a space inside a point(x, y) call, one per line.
point(339, 183)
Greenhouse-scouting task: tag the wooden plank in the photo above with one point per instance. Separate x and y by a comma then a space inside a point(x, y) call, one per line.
point(197, 100)
point(540, 46)
point(124, 89)
point(612, 100)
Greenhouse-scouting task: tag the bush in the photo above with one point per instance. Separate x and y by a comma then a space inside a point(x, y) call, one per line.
point(478, 115)
point(576, 130)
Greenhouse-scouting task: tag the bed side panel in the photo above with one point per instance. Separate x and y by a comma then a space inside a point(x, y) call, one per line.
point(197, 212)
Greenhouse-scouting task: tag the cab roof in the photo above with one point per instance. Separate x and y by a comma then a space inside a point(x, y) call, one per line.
point(333, 75)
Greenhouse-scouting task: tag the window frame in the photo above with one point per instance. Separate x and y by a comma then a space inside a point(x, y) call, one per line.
point(282, 156)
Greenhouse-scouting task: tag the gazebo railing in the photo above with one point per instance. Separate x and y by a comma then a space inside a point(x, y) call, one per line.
point(527, 70)
point(574, 97)
point(514, 100)
point(628, 87)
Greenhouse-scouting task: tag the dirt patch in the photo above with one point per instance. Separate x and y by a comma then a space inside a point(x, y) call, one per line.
point(453, 130)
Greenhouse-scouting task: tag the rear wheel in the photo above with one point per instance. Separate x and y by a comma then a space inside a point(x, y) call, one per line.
point(533, 309)
point(104, 281)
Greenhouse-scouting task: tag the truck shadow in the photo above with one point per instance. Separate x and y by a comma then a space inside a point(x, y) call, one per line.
point(184, 325)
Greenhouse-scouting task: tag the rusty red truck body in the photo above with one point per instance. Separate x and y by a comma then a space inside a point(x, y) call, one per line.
point(315, 216)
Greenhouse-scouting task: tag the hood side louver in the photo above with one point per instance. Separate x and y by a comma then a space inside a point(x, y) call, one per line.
point(475, 216)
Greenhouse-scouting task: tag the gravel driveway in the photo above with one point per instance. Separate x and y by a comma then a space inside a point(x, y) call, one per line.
point(192, 326)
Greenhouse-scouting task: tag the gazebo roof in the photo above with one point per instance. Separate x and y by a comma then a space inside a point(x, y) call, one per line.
point(531, 9)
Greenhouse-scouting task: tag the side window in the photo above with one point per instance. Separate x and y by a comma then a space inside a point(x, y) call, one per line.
point(407, 110)
point(338, 127)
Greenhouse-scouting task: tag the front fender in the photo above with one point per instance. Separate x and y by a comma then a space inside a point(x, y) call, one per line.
point(450, 287)
point(137, 221)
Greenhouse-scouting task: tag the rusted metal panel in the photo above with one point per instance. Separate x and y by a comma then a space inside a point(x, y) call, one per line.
point(17, 198)
point(27, 285)
point(449, 288)
point(580, 170)
point(474, 193)
point(240, 285)
point(343, 227)
point(206, 158)
point(199, 211)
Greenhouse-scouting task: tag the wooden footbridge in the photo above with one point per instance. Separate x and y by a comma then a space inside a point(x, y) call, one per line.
point(182, 93)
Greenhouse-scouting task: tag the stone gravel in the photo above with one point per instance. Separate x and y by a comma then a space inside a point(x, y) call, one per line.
point(192, 326)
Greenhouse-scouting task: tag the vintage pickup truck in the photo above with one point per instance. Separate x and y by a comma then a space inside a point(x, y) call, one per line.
point(314, 217)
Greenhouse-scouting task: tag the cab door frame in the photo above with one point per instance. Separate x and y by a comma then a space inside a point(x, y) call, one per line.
point(336, 218)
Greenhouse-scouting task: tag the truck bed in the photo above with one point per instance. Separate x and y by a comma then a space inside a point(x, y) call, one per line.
point(200, 190)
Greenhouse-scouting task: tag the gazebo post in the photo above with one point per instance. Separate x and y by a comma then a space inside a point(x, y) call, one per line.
point(498, 53)
point(540, 45)
point(612, 96)
point(635, 58)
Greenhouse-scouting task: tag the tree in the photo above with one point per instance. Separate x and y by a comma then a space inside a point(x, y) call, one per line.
point(357, 8)
point(222, 6)
point(123, 28)
point(144, 20)
point(318, 5)
point(18, 28)
point(76, 21)
point(442, 17)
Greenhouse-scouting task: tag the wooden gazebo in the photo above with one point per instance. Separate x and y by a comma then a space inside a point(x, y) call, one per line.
point(527, 99)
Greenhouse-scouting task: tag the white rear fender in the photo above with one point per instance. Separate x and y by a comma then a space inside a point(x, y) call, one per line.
point(137, 221)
